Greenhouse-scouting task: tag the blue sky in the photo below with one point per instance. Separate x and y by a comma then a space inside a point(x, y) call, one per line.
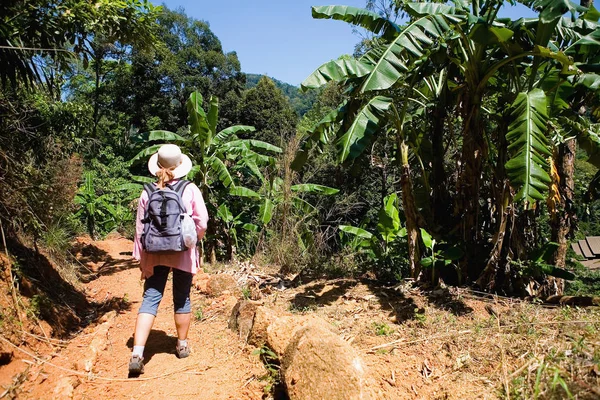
point(280, 38)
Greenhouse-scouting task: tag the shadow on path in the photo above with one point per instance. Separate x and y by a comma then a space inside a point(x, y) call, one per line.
point(158, 343)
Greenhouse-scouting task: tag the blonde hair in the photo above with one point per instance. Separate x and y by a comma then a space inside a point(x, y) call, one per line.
point(164, 175)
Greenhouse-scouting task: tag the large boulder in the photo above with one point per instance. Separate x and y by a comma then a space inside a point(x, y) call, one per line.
point(315, 362)
point(282, 330)
point(318, 364)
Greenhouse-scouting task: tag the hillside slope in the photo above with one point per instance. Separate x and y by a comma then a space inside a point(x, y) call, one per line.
point(301, 101)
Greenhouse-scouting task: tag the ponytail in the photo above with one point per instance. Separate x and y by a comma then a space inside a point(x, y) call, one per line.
point(164, 175)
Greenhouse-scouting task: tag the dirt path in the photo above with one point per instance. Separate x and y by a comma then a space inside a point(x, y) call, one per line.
point(220, 366)
point(416, 344)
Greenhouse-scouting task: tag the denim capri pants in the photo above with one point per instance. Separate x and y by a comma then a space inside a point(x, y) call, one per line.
point(154, 287)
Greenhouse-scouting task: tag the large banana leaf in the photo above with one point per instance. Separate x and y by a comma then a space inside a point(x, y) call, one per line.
point(197, 117)
point(243, 192)
point(389, 219)
point(232, 130)
point(220, 170)
point(399, 56)
point(551, 10)
point(251, 143)
point(528, 146)
point(337, 71)
point(213, 115)
point(164, 136)
point(369, 120)
point(353, 230)
point(259, 144)
point(147, 152)
point(358, 16)
point(265, 212)
point(421, 9)
point(485, 34)
point(314, 188)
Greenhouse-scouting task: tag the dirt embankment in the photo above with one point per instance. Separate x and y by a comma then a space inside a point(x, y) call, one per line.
point(412, 344)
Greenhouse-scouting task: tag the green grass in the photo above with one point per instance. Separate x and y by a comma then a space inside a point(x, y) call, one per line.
point(199, 314)
point(382, 329)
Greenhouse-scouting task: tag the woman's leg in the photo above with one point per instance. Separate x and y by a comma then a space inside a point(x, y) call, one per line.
point(154, 287)
point(182, 323)
point(182, 283)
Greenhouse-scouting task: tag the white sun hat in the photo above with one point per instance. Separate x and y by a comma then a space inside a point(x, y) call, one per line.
point(169, 156)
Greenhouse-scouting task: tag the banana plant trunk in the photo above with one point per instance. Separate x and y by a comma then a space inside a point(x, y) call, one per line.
point(439, 189)
point(474, 152)
point(410, 212)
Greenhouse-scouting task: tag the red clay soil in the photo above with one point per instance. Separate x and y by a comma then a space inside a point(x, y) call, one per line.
point(220, 366)
point(441, 344)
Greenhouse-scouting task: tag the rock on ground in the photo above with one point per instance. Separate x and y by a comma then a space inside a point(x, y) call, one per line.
point(242, 318)
point(219, 284)
point(317, 364)
point(65, 387)
point(98, 343)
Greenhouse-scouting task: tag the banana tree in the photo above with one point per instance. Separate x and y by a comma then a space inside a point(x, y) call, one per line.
point(478, 53)
point(220, 158)
point(384, 69)
point(214, 152)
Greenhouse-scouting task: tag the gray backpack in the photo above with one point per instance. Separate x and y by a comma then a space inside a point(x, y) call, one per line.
point(163, 218)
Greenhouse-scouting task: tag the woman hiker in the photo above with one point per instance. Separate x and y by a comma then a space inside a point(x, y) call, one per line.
point(168, 165)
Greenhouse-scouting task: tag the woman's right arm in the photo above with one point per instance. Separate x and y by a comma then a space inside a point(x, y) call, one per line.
point(139, 226)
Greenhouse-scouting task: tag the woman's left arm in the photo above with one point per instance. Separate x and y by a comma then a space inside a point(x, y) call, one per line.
point(199, 212)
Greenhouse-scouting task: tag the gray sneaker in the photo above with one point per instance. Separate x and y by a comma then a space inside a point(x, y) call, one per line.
point(136, 365)
point(182, 351)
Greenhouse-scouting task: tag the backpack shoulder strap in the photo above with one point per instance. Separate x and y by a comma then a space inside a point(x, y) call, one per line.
point(180, 187)
point(149, 188)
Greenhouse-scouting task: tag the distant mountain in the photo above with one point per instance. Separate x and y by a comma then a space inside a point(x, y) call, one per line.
point(301, 102)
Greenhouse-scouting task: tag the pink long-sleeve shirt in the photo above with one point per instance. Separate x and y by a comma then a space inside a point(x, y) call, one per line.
point(184, 260)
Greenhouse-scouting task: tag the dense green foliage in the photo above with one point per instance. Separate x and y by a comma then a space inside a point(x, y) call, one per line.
point(498, 98)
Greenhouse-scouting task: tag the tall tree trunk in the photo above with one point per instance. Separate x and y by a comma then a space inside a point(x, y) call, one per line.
point(560, 207)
